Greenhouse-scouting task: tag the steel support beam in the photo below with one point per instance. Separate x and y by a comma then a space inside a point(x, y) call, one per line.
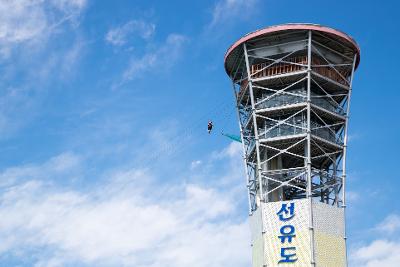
point(253, 110)
point(308, 153)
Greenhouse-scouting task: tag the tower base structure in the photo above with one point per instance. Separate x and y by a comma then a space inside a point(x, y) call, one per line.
point(268, 232)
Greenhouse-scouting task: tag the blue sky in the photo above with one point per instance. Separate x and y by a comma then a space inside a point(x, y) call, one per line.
point(105, 157)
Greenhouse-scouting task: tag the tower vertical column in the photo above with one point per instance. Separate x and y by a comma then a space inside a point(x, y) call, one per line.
point(344, 175)
point(308, 155)
point(254, 117)
point(244, 155)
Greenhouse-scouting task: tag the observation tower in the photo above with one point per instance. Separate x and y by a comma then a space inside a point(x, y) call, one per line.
point(292, 85)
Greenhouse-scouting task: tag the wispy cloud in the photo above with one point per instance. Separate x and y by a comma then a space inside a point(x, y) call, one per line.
point(379, 253)
point(71, 57)
point(129, 219)
point(20, 21)
point(29, 30)
point(153, 56)
point(70, 6)
point(135, 28)
point(384, 250)
point(59, 166)
point(228, 10)
point(160, 59)
point(29, 22)
point(233, 150)
point(390, 224)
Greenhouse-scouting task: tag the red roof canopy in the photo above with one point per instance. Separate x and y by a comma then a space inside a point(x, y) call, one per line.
point(289, 27)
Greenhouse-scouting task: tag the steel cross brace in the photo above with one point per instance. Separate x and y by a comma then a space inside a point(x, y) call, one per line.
point(330, 96)
point(324, 122)
point(280, 122)
point(275, 61)
point(280, 91)
point(283, 151)
point(331, 65)
point(325, 153)
point(284, 183)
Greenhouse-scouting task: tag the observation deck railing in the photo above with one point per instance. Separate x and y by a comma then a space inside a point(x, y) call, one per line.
point(261, 70)
point(287, 130)
point(299, 63)
point(300, 97)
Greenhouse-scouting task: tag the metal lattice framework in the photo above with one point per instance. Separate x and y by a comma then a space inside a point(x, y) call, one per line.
point(292, 91)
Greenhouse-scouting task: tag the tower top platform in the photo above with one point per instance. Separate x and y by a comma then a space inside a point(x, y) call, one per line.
point(334, 39)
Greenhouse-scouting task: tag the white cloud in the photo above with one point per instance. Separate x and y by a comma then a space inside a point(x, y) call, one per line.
point(118, 36)
point(31, 21)
point(383, 251)
point(58, 166)
point(234, 150)
point(21, 20)
point(160, 59)
point(71, 57)
point(379, 253)
point(127, 220)
point(28, 30)
point(227, 10)
point(69, 6)
point(390, 224)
